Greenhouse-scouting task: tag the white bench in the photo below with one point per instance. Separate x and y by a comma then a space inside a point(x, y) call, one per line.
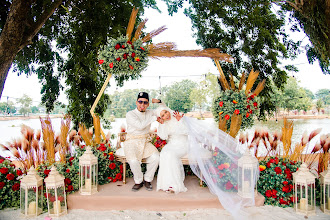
point(120, 155)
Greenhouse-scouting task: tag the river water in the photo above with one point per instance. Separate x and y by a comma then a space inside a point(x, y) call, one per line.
point(10, 129)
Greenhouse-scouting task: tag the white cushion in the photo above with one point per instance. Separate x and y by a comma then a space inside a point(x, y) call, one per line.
point(120, 152)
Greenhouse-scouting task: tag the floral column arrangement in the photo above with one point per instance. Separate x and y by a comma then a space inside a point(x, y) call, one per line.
point(304, 191)
point(55, 192)
point(247, 175)
point(325, 191)
point(31, 194)
point(88, 170)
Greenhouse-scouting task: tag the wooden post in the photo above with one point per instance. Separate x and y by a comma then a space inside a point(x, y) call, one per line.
point(98, 99)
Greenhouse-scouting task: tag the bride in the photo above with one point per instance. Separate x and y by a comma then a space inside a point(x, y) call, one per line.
point(171, 173)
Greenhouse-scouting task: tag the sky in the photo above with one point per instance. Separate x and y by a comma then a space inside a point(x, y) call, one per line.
point(165, 71)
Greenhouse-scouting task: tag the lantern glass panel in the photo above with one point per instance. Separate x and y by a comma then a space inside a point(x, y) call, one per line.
point(40, 199)
point(327, 196)
point(247, 180)
point(23, 201)
point(31, 201)
point(240, 179)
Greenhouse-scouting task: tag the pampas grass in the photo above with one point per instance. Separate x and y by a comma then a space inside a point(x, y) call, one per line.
point(139, 30)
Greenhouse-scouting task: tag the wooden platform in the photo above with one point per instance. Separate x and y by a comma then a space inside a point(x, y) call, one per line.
point(119, 196)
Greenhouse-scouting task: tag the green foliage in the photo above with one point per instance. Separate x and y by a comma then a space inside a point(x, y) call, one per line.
point(177, 96)
point(25, 101)
point(123, 59)
point(319, 104)
point(7, 107)
point(34, 109)
point(230, 102)
point(324, 95)
point(9, 184)
point(275, 181)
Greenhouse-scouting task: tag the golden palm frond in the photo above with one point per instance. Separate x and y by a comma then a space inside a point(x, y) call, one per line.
point(48, 137)
point(222, 124)
point(242, 81)
point(164, 46)
point(154, 33)
point(139, 30)
point(250, 81)
point(85, 135)
point(286, 136)
point(222, 77)
point(232, 83)
point(131, 23)
point(235, 125)
point(259, 88)
point(297, 152)
point(97, 129)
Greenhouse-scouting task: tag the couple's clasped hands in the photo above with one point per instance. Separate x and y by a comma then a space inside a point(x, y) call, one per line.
point(176, 114)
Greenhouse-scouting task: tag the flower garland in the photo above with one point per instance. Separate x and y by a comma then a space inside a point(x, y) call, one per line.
point(275, 181)
point(123, 58)
point(236, 102)
point(158, 142)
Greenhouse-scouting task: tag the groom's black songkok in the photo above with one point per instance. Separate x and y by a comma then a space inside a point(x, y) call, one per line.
point(143, 95)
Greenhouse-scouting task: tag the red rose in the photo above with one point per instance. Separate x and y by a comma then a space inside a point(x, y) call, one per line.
point(19, 172)
point(67, 170)
point(255, 104)
point(137, 59)
point(111, 157)
point(102, 148)
point(283, 202)
point(132, 47)
point(70, 187)
point(67, 181)
point(112, 166)
point(52, 198)
point(101, 61)
point(287, 171)
point(272, 160)
point(229, 185)
point(227, 117)
point(268, 193)
point(1, 160)
point(105, 154)
point(274, 192)
point(278, 170)
point(110, 178)
point(250, 111)
point(123, 46)
point(15, 187)
point(114, 180)
point(2, 184)
point(125, 56)
point(71, 159)
point(236, 111)
point(118, 59)
point(46, 172)
point(131, 67)
point(247, 114)
point(141, 48)
point(10, 176)
point(60, 198)
point(133, 55)
point(248, 106)
point(289, 176)
point(268, 164)
point(221, 103)
point(129, 42)
point(111, 65)
point(4, 170)
point(117, 46)
point(119, 176)
point(285, 182)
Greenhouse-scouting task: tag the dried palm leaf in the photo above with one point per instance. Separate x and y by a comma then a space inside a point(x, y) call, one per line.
point(154, 33)
point(222, 77)
point(250, 81)
point(235, 125)
point(48, 137)
point(139, 30)
point(242, 81)
point(286, 136)
point(222, 124)
point(260, 87)
point(131, 23)
point(97, 129)
point(232, 83)
point(85, 135)
point(164, 46)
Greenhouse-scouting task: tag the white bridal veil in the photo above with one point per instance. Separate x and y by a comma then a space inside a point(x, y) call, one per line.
point(213, 157)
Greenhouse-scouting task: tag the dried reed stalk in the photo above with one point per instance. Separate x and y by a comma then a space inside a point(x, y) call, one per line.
point(260, 87)
point(286, 136)
point(222, 77)
point(131, 23)
point(139, 30)
point(97, 129)
point(242, 81)
point(65, 127)
point(222, 124)
point(48, 137)
point(85, 135)
point(235, 124)
point(250, 81)
point(154, 33)
point(296, 154)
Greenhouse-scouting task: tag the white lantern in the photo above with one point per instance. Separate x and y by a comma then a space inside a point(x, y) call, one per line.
point(31, 194)
point(325, 191)
point(55, 191)
point(88, 170)
point(304, 191)
point(247, 175)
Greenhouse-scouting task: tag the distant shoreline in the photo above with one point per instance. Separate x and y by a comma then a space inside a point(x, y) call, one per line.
point(18, 117)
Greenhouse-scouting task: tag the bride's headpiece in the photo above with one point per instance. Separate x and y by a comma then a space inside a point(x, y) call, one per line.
point(160, 109)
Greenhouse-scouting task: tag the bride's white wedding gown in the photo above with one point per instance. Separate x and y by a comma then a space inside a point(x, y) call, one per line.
point(171, 173)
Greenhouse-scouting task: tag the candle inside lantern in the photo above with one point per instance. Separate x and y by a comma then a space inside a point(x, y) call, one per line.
point(32, 208)
point(57, 207)
point(329, 203)
point(303, 204)
point(88, 184)
point(246, 187)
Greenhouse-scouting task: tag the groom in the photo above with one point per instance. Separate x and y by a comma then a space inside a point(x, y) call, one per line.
point(136, 145)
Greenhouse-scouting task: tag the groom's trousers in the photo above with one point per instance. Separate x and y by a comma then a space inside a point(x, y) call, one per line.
point(152, 164)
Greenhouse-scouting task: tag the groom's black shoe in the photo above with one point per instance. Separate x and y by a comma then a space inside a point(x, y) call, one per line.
point(136, 187)
point(148, 185)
